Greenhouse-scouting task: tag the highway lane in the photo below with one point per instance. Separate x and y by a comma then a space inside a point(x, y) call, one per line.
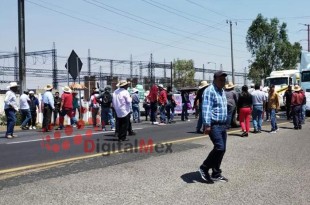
point(28, 149)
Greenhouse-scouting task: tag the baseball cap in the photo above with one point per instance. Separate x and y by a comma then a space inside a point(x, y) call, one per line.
point(219, 73)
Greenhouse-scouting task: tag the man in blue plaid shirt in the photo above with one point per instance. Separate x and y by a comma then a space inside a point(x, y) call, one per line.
point(214, 115)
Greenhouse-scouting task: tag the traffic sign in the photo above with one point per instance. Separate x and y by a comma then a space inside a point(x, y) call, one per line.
point(75, 65)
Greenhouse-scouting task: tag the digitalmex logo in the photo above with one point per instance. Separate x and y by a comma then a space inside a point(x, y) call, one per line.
point(54, 143)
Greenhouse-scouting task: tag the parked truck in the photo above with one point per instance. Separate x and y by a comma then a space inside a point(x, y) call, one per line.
point(281, 79)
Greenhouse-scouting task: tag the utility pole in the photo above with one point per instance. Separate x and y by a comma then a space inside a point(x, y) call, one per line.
point(203, 71)
point(171, 78)
point(245, 76)
point(232, 54)
point(131, 67)
point(308, 26)
point(21, 45)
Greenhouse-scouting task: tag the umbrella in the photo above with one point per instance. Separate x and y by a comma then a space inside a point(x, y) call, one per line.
point(76, 86)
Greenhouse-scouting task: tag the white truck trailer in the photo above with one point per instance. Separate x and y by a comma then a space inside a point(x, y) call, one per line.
point(305, 76)
point(281, 79)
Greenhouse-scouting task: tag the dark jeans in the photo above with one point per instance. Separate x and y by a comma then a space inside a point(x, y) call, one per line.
point(47, 115)
point(136, 113)
point(107, 116)
point(273, 119)
point(26, 116)
point(218, 137)
point(153, 111)
point(257, 114)
point(122, 126)
point(230, 110)
point(162, 110)
point(184, 113)
point(33, 120)
point(10, 114)
point(170, 112)
point(297, 115)
point(199, 122)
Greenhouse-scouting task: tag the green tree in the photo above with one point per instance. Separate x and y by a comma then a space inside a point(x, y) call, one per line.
point(184, 73)
point(270, 48)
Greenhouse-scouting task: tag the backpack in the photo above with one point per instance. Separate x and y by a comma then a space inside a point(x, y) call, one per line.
point(94, 103)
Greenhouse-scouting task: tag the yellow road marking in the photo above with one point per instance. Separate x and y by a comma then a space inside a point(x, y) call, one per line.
point(47, 165)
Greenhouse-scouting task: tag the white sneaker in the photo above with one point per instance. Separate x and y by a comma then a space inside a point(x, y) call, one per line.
point(277, 129)
point(34, 127)
point(273, 132)
point(188, 120)
point(30, 128)
point(155, 123)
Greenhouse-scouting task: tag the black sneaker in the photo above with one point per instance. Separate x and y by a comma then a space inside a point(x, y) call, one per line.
point(205, 175)
point(219, 178)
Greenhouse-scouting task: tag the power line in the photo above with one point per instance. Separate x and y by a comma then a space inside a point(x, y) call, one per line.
point(201, 6)
point(182, 16)
point(120, 32)
point(114, 30)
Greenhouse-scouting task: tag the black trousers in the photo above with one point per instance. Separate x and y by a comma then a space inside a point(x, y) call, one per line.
point(123, 125)
point(56, 114)
point(33, 120)
point(288, 111)
point(47, 115)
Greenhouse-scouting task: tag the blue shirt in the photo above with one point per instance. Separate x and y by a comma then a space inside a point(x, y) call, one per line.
point(48, 98)
point(214, 106)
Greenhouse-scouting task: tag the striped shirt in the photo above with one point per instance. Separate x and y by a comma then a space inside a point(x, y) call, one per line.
point(214, 106)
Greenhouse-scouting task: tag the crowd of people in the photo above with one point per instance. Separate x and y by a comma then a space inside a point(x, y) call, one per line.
point(117, 108)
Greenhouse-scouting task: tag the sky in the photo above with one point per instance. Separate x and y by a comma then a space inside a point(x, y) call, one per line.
point(169, 29)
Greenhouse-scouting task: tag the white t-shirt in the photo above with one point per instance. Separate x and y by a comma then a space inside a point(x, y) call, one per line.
point(23, 102)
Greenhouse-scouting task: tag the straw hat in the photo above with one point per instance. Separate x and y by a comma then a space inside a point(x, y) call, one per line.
point(230, 85)
point(12, 85)
point(48, 87)
point(122, 83)
point(297, 88)
point(203, 84)
point(67, 89)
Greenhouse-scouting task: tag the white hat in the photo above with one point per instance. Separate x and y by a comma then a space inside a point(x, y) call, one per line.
point(12, 84)
point(31, 92)
point(161, 86)
point(134, 90)
point(67, 89)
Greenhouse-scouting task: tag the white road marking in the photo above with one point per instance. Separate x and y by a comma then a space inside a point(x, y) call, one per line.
point(36, 140)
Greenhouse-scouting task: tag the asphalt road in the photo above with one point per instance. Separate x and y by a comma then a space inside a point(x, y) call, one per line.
point(262, 169)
